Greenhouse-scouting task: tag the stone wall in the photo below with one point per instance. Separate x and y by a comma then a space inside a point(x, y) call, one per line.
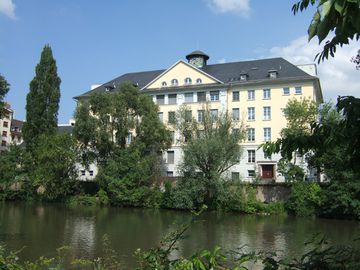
point(272, 192)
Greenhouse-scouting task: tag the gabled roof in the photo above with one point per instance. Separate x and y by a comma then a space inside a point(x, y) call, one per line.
point(226, 73)
point(186, 64)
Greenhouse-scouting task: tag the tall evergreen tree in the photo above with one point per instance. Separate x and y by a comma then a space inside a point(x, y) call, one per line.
point(42, 101)
point(4, 88)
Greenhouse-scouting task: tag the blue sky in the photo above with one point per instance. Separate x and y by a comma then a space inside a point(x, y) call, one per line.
point(94, 41)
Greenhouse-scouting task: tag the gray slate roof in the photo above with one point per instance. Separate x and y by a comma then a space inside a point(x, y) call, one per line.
point(227, 73)
point(65, 129)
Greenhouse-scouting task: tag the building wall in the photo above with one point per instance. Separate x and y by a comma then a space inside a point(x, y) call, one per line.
point(181, 71)
point(5, 129)
point(247, 170)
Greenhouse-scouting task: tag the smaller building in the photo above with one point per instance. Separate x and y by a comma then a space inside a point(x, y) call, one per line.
point(5, 127)
point(16, 131)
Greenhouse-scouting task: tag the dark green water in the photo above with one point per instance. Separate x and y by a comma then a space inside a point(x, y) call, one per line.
point(43, 228)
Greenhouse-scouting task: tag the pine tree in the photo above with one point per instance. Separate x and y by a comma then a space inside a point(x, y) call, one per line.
point(42, 101)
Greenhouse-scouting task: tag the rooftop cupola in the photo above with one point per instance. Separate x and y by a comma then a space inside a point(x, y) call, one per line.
point(197, 58)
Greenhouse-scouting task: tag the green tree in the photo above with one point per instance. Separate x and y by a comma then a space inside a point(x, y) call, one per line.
point(42, 101)
point(300, 115)
point(55, 171)
point(338, 17)
point(4, 89)
point(13, 164)
point(121, 132)
point(210, 147)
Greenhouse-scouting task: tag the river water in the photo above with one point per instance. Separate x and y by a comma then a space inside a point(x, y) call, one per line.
point(41, 228)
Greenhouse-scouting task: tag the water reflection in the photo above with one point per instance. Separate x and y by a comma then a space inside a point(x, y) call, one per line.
point(43, 228)
point(79, 232)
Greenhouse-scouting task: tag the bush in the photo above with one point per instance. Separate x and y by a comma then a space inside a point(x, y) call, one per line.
point(342, 200)
point(100, 198)
point(305, 199)
point(187, 193)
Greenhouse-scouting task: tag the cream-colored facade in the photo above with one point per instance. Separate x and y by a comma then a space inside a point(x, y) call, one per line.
point(254, 92)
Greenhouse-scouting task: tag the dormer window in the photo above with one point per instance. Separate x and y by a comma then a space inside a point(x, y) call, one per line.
point(198, 81)
point(163, 84)
point(174, 82)
point(188, 80)
point(243, 77)
point(273, 74)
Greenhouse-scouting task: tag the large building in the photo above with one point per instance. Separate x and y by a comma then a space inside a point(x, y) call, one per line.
point(254, 92)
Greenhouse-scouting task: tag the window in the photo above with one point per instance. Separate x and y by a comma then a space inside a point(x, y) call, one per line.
point(83, 172)
point(214, 114)
point(187, 135)
point(198, 81)
point(266, 156)
point(170, 157)
point(188, 116)
point(214, 95)
point(161, 116)
point(172, 135)
point(235, 96)
point(251, 173)
point(235, 176)
point(170, 174)
point(235, 130)
point(298, 90)
point(266, 94)
point(200, 115)
point(160, 99)
point(272, 74)
point(91, 173)
point(267, 134)
point(251, 134)
point(251, 113)
point(236, 114)
point(129, 138)
point(163, 84)
point(172, 98)
point(286, 91)
point(267, 112)
point(171, 117)
point(188, 80)
point(6, 124)
point(174, 82)
point(189, 97)
point(201, 97)
point(4, 133)
point(251, 156)
point(243, 77)
point(251, 94)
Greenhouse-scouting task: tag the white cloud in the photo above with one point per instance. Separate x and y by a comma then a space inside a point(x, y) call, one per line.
point(338, 76)
point(7, 7)
point(241, 7)
point(222, 61)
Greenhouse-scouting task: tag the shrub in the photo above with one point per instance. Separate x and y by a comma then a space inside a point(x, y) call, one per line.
point(305, 199)
point(342, 200)
point(187, 193)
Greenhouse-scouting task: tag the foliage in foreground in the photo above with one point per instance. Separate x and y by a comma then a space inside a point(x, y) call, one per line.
point(335, 19)
point(320, 255)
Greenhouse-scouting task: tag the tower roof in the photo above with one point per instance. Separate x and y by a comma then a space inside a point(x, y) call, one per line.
point(197, 53)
